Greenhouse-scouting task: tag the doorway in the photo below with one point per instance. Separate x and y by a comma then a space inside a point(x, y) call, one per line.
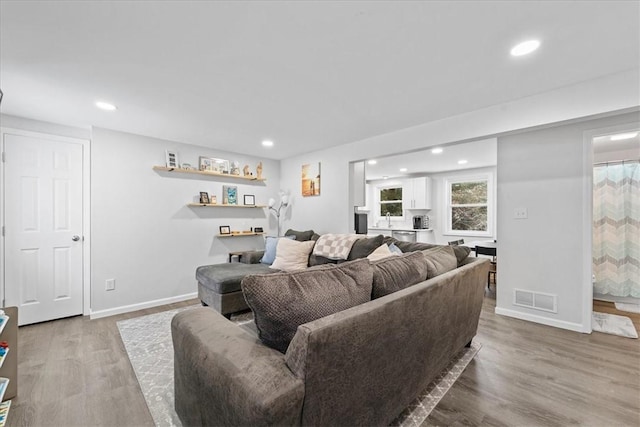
point(45, 225)
point(616, 215)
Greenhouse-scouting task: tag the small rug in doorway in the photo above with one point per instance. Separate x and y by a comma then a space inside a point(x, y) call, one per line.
point(147, 340)
point(613, 324)
point(628, 307)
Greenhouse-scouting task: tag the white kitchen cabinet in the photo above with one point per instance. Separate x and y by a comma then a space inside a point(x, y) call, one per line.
point(416, 193)
point(425, 236)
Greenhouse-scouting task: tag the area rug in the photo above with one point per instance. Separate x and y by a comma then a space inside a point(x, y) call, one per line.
point(628, 307)
point(613, 324)
point(147, 340)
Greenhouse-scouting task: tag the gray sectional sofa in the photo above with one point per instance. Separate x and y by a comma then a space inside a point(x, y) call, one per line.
point(219, 285)
point(360, 366)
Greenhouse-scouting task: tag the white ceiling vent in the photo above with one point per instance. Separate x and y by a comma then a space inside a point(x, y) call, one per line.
point(535, 300)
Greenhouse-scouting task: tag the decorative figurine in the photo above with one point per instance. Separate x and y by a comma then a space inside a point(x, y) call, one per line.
point(259, 170)
point(245, 170)
point(235, 168)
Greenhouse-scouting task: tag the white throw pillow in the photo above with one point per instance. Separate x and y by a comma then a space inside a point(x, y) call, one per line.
point(382, 252)
point(292, 255)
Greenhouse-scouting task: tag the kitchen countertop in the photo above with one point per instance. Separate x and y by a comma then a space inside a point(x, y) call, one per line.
point(399, 229)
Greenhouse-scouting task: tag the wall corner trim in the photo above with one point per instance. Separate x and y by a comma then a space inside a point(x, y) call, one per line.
point(140, 306)
point(576, 327)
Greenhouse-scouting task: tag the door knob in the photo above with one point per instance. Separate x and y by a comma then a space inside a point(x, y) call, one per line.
point(75, 238)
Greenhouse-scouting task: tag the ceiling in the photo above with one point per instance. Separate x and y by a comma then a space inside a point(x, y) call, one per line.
point(478, 154)
point(306, 75)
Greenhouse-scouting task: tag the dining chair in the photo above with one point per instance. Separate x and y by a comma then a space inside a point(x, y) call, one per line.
point(493, 268)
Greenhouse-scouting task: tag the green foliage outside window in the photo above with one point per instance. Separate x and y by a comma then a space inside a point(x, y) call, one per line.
point(469, 206)
point(391, 201)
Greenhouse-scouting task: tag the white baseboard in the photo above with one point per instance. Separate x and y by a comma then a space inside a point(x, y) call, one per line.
point(149, 304)
point(576, 327)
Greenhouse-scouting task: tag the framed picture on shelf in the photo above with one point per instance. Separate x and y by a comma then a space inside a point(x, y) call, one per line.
point(220, 165)
point(229, 195)
point(204, 164)
point(249, 200)
point(225, 229)
point(172, 159)
point(204, 197)
point(258, 230)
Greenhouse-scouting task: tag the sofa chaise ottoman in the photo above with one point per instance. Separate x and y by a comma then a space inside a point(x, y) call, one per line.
point(219, 285)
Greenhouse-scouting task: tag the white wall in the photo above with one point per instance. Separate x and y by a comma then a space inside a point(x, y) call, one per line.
point(331, 211)
point(144, 235)
point(43, 127)
point(548, 172)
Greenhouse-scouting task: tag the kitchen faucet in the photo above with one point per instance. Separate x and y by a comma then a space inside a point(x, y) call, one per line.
point(388, 220)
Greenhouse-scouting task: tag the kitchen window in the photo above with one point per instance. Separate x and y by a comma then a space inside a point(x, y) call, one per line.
point(469, 206)
point(390, 201)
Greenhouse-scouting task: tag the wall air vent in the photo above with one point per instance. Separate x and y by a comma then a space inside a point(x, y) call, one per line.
point(535, 300)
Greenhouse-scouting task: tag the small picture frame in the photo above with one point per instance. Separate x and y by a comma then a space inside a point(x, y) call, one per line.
point(258, 230)
point(204, 197)
point(229, 195)
point(204, 164)
point(172, 159)
point(225, 229)
point(249, 200)
point(220, 165)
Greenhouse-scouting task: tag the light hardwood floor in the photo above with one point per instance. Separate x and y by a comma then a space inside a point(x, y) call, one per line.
point(75, 372)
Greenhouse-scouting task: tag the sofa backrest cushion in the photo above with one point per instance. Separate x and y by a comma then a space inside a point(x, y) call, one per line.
point(283, 301)
point(363, 247)
point(397, 272)
point(439, 260)
point(315, 260)
point(292, 255)
point(301, 236)
point(462, 252)
point(270, 249)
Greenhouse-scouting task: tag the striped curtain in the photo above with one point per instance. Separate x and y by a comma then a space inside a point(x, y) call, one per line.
point(616, 229)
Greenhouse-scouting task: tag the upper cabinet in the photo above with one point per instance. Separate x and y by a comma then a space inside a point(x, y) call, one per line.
point(416, 193)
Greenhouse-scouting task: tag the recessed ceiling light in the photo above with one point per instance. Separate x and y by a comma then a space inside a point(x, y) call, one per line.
point(622, 136)
point(403, 169)
point(525, 48)
point(462, 162)
point(105, 106)
point(267, 143)
point(436, 150)
point(385, 177)
point(372, 162)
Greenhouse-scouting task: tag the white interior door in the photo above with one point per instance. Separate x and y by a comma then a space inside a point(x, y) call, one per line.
point(43, 227)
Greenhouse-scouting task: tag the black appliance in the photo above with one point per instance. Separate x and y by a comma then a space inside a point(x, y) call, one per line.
point(360, 222)
point(420, 222)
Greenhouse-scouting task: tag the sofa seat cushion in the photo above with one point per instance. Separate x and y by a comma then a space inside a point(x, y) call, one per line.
point(283, 301)
point(397, 272)
point(226, 278)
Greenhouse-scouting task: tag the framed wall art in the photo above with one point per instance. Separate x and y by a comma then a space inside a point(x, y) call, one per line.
point(311, 179)
point(229, 195)
point(225, 229)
